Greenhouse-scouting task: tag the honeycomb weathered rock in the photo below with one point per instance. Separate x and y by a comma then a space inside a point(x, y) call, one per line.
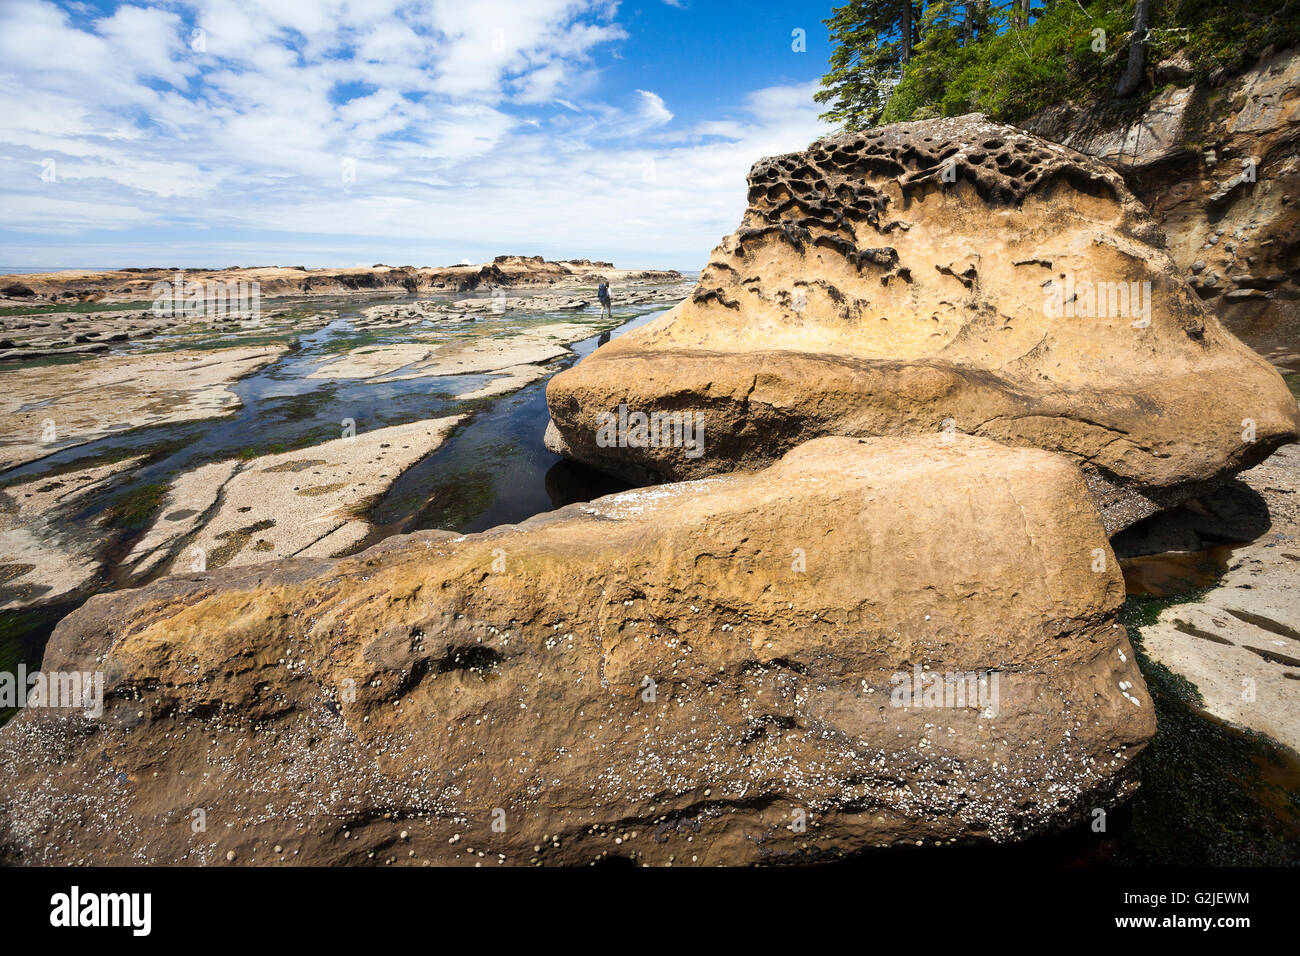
point(951, 274)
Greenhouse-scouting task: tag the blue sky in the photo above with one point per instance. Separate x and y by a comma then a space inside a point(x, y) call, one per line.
point(346, 132)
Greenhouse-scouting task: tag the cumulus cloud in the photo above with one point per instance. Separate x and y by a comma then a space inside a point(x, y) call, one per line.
point(393, 124)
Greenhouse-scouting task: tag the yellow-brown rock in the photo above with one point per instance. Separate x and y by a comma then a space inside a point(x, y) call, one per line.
point(706, 672)
point(945, 275)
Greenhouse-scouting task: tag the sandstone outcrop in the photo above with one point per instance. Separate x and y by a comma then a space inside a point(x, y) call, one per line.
point(707, 672)
point(307, 503)
point(1218, 164)
point(47, 408)
point(45, 554)
point(24, 337)
point(534, 344)
point(945, 275)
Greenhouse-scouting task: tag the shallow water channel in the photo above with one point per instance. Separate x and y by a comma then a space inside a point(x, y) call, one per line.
point(493, 469)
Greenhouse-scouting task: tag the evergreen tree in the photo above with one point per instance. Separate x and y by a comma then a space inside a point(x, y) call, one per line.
point(897, 60)
point(873, 40)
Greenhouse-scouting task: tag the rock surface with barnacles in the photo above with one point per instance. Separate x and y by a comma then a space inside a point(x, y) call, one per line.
point(704, 672)
point(928, 277)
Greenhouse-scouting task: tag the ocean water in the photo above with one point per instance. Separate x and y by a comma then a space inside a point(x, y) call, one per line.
point(493, 469)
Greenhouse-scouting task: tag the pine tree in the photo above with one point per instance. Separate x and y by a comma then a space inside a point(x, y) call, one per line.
point(874, 41)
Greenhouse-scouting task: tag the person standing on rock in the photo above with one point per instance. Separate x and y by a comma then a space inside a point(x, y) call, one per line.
point(602, 293)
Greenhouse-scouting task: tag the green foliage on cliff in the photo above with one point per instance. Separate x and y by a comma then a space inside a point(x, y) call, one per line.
point(1015, 71)
point(1014, 58)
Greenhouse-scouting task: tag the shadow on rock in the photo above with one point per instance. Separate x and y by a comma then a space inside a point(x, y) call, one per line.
point(1233, 513)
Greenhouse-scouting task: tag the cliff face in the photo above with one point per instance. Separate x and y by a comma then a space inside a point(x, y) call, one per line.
point(1218, 164)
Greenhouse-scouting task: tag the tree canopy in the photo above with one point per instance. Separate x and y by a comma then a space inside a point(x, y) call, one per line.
point(897, 60)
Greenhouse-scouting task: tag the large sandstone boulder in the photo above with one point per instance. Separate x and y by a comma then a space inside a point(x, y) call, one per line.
point(955, 275)
point(705, 672)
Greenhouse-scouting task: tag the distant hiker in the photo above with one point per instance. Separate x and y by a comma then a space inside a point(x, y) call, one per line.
point(602, 293)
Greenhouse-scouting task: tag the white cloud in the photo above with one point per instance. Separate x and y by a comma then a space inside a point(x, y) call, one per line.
point(653, 109)
point(466, 126)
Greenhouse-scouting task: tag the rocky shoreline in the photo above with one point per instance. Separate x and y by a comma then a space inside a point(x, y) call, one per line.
point(507, 272)
point(865, 596)
point(119, 393)
point(62, 320)
point(1238, 642)
point(58, 543)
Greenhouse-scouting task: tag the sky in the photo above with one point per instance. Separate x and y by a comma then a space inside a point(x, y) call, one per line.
point(339, 133)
